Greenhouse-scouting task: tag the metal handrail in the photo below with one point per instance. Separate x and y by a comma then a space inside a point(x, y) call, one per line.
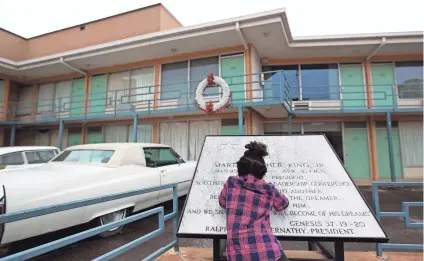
point(39, 250)
point(403, 214)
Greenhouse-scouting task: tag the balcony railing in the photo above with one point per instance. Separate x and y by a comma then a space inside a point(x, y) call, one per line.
point(255, 89)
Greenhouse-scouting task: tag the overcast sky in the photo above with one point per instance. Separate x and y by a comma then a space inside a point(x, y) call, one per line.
point(29, 18)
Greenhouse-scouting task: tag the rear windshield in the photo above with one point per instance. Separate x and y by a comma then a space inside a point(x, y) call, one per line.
point(95, 156)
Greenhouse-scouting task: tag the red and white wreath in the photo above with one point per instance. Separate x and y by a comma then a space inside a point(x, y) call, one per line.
point(223, 102)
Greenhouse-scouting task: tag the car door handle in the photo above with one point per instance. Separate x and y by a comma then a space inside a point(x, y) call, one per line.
point(163, 170)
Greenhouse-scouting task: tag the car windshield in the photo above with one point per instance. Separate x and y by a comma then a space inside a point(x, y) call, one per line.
point(94, 156)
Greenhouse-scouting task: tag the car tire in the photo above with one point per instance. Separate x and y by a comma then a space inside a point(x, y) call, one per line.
point(112, 217)
point(4, 250)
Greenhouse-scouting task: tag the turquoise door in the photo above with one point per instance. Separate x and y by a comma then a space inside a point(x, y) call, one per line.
point(383, 81)
point(356, 153)
point(230, 130)
point(353, 89)
point(97, 94)
point(383, 153)
point(232, 70)
point(94, 137)
point(77, 93)
point(74, 139)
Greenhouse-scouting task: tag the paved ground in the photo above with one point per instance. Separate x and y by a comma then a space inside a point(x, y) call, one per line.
point(94, 247)
point(205, 254)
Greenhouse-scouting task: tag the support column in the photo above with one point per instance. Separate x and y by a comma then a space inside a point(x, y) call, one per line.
point(34, 102)
point(155, 132)
point(5, 104)
point(290, 123)
point(373, 148)
point(135, 128)
point(60, 142)
point(86, 94)
point(240, 120)
point(368, 86)
point(390, 141)
point(156, 84)
point(12, 135)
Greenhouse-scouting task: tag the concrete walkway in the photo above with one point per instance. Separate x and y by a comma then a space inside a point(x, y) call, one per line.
point(205, 254)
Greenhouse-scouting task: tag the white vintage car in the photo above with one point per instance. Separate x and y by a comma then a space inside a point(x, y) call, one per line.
point(88, 171)
point(22, 157)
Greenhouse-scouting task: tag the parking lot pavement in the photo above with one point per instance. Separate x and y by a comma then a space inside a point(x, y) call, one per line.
point(93, 247)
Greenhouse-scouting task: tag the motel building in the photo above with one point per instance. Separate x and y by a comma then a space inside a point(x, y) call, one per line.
point(133, 78)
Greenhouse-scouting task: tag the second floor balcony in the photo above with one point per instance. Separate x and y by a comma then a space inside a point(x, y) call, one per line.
point(271, 88)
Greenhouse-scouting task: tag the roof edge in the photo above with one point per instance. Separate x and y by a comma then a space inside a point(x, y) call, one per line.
point(89, 22)
point(367, 36)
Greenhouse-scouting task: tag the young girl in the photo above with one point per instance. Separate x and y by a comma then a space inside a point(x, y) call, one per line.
point(248, 201)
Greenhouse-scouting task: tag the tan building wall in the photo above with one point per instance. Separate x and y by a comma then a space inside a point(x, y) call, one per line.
point(130, 24)
point(9, 40)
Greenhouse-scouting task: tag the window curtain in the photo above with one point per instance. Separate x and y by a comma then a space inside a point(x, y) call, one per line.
point(142, 88)
point(118, 85)
point(63, 96)
point(144, 133)
point(42, 138)
point(25, 100)
point(116, 133)
point(175, 134)
point(45, 98)
point(54, 140)
point(411, 135)
point(198, 131)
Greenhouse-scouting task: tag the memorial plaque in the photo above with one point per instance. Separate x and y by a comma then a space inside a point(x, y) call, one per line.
point(325, 204)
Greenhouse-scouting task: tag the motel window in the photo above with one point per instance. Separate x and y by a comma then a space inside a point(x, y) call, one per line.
point(141, 83)
point(180, 80)
point(174, 81)
point(54, 97)
point(118, 85)
point(199, 70)
point(287, 74)
point(411, 136)
point(409, 79)
point(45, 98)
point(320, 82)
point(25, 100)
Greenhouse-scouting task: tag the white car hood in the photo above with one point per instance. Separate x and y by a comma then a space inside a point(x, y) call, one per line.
point(49, 172)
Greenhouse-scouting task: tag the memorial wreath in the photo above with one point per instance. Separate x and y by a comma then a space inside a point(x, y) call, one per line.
point(223, 102)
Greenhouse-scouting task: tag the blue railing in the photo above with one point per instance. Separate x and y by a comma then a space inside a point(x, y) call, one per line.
point(256, 89)
point(162, 218)
point(403, 214)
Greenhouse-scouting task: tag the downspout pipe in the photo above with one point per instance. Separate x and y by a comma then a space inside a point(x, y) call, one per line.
point(383, 43)
point(62, 61)
point(241, 35)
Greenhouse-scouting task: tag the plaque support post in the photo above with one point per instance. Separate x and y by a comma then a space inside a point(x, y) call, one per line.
point(290, 123)
point(339, 251)
point(60, 141)
point(312, 246)
point(175, 218)
point(135, 127)
point(240, 120)
point(12, 135)
point(216, 248)
point(390, 143)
